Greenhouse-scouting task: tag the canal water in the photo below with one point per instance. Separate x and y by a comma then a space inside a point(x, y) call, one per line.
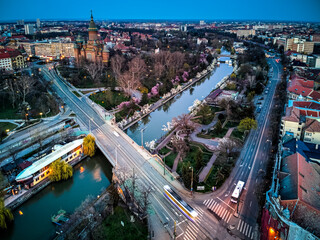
point(153, 123)
point(90, 177)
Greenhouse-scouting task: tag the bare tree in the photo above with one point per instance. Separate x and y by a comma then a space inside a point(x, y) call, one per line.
point(117, 64)
point(228, 146)
point(185, 123)
point(131, 79)
point(25, 84)
point(12, 86)
point(180, 146)
point(94, 70)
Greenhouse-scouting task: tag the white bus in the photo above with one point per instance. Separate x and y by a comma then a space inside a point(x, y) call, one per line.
point(237, 192)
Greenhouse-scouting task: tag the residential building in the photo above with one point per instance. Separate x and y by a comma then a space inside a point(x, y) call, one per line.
point(5, 61)
point(302, 88)
point(40, 170)
point(20, 22)
point(93, 50)
point(312, 131)
point(313, 61)
point(246, 33)
point(29, 29)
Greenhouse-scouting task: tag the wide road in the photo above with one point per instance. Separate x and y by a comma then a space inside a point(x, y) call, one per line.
point(250, 168)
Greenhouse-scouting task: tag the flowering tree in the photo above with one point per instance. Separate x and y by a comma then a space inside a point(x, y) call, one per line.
point(168, 127)
point(151, 145)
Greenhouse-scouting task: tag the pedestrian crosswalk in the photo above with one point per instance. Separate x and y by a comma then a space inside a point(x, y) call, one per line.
point(192, 231)
point(245, 229)
point(224, 213)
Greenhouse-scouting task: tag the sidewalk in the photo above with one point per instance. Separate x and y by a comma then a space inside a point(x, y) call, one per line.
point(203, 174)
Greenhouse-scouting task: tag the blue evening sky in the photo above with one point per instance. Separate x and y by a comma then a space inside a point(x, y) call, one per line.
point(290, 10)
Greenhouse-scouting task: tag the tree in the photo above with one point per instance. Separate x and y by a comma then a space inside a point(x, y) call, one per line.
point(12, 86)
point(131, 79)
point(60, 170)
point(218, 50)
point(117, 64)
point(184, 122)
point(205, 114)
point(144, 99)
point(25, 86)
point(228, 145)
point(186, 174)
point(199, 160)
point(89, 145)
point(180, 146)
point(247, 124)
point(218, 127)
point(251, 96)
point(5, 215)
point(94, 70)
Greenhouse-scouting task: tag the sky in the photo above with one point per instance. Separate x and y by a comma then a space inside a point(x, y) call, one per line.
point(283, 10)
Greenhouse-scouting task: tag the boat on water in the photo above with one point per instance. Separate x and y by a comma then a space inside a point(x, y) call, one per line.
point(61, 217)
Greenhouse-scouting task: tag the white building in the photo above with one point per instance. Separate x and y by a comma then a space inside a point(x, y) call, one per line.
point(29, 29)
point(38, 23)
point(5, 62)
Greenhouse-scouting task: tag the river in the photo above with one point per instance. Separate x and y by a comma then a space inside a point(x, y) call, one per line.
point(90, 177)
point(153, 123)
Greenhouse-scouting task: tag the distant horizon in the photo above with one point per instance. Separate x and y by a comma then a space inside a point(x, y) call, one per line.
point(176, 10)
point(157, 20)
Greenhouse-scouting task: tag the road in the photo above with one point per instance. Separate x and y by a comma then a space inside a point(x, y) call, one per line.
point(249, 168)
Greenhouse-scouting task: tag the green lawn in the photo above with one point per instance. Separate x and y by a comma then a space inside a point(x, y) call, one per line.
point(112, 227)
point(220, 171)
point(109, 99)
point(169, 160)
point(237, 134)
point(76, 93)
point(221, 134)
point(6, 125)
point(164, 151)
point(9, 114)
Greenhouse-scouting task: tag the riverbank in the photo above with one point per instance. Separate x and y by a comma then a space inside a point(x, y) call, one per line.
point(15, 201)
point(164, 100)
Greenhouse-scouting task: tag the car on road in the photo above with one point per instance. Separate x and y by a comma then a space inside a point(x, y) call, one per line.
point(258, 103)
point(261, 98)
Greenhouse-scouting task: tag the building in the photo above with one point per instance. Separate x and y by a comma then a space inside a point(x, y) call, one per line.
point(93, 49)
point(246, 32)
point(202, 22)
point(302, 88)
point(298, 45)
point(40, 170)
point(313, 61)
point(20, 22)
point(11, 59)
point(49, 48)
point(38, 23)
point(5, 61)
point(29, 29)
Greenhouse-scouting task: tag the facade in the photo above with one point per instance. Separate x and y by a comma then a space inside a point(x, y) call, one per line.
point(53, 48)
point(312, 131)
point(92, 50)
point(11, 59)
point(40, 170)
point(246, 33)
point(29, 29)
point(38, 23)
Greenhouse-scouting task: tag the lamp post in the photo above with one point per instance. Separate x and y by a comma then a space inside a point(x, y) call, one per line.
point(90, 119)
point(141, 131)
point(164, 165)
point(27, 117)
point(191, 179)
point(41, 115)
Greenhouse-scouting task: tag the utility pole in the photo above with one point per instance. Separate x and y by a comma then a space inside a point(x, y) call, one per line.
point(175, 229)
point(191, 179)
point(141, 131)
point(164, 165)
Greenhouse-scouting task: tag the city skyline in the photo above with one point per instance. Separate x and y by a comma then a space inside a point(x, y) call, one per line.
point(240, 11)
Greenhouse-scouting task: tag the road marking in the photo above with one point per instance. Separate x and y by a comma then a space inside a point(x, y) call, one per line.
point(256, 180)
point(252, 235)
point(205, 201)
point(211, 203)
point(239, 225)
point(250, 203)
point(227, 203)
point(230, 215)
point(218, 209)
point(214, 206)
point(224, 214)
point(241, 173)
point(198, 209)
point(194, 228)
point(249, 232)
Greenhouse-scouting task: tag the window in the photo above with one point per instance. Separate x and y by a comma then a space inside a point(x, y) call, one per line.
point(37, 179)
point(299, 129)
point(303, 189)
point(308, 134)
point(42, 176)
point(301, 174)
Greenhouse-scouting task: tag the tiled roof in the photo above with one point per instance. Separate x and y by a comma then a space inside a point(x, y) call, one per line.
point(301, 182)
point(292, 114)
point(312, 125)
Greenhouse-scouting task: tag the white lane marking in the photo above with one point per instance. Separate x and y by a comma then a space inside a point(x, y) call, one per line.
point(216, 207)
point(252, 235)
point(188, 235)
point(213, 206)
point(194, 228)
point(249, 232)
point(230, 215)
point(245, 229)
point(205, 201)
point(222, 213)
point(219, 209)
point(239, 224)
point(250, 203)
point(225, 213)
point(241, 173)
point(227, 203)
point(198, 209)
point(256, 180)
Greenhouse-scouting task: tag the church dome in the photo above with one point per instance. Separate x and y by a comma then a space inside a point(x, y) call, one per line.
point(92, 25)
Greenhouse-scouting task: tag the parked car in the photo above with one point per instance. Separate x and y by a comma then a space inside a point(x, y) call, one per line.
point(261, 98)
point(259, 110)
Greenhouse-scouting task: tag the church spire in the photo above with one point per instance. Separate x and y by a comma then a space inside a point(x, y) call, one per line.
point(91, 16)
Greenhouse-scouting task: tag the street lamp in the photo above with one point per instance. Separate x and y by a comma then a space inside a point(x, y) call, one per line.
point(90, 119)
point(27, 117)
point(164, 165)
point(8, 130)
point(191, 179)
point(141, 131)
point(41, 115)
